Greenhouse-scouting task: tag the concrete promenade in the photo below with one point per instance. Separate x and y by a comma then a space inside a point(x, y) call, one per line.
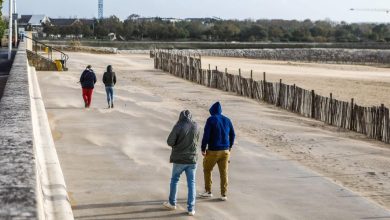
point(115, 161)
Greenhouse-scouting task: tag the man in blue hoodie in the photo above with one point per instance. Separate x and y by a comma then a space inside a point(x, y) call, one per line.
point(218, 140)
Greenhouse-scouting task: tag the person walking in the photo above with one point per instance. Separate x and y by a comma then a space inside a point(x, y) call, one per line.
point(87, 80)
point(184, 140)
point(217, 142)
point(109, 80)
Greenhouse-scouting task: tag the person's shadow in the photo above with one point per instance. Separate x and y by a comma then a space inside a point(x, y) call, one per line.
point(148, 210)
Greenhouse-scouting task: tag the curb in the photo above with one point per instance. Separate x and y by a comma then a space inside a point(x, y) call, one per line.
point(52, 197)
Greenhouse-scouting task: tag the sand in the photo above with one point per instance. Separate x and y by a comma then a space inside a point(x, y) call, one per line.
point(369, 86)
point(283, 166)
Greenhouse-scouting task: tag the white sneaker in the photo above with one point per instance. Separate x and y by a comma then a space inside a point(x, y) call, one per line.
point(169, 206)
point(224, 198)
point(206, 194)
point(191, 213)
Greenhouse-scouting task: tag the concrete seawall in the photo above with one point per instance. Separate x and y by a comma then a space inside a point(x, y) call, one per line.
point(31, 181)
point(17, 160)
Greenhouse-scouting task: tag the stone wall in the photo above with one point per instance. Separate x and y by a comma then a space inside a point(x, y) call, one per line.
point(353, 56)
point(17, 160)
point(40, 63)
point(86, 49)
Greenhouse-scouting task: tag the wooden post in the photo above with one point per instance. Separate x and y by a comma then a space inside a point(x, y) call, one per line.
point(313, 105)
point(381, 117)
point(224, 87)
point(330, 109)
point(239, 89)
point(264, 88)
point(293, 99)
point(215, 76)
point(209, 77)
point(352, 119)
point(280, 93)
point(251, 85)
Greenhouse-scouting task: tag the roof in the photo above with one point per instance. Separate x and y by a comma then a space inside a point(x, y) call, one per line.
point(24, 19)
point(36, 20)
point(87, 21)
point(62, 21)
point(69, 21)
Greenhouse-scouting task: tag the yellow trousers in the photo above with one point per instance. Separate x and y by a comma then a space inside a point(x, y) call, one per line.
point(222, 159)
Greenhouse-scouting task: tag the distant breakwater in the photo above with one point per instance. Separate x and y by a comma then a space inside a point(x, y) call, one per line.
point(339, 56)
point(315, 55)
point(346, 56)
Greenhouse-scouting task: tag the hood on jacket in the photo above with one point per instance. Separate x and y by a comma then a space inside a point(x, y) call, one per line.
point(216, 109)
point(185, 115)
point(109, 69)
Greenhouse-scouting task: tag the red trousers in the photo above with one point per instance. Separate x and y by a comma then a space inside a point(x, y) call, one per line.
point(87, 96)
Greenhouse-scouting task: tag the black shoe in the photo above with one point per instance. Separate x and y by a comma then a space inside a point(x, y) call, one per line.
point(112, 105)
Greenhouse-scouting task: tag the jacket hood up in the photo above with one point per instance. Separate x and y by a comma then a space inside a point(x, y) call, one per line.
point(216, 109)
point(185, 116)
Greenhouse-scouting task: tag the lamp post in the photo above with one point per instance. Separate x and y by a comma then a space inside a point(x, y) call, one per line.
point(15, 17)
point(10, 30)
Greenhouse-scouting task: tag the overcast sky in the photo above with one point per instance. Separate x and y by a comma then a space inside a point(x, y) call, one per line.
point(336, 10)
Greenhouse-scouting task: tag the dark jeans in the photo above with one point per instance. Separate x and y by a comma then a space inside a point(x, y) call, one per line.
point(110, 94)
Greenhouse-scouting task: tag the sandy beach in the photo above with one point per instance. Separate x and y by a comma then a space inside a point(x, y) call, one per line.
point(283, 166)
point(369, 86)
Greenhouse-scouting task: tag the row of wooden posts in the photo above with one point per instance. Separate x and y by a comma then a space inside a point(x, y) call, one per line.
point(371, 121)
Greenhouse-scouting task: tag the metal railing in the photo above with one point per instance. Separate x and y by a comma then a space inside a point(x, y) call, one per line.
point(50, 49)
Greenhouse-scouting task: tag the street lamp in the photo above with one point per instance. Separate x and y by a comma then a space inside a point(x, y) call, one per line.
point(10, 30)
point(15, 17)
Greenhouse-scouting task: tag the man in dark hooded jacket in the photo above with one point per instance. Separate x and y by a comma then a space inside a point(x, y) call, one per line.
point(109, 80)
point(183, 139)
point(218, 138)
point(88, 80)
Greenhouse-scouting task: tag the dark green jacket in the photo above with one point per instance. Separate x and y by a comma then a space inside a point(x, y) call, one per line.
point(184, 140)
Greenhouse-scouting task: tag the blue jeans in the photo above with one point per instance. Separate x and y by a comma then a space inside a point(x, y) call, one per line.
point(110, 94)
point(190, 170)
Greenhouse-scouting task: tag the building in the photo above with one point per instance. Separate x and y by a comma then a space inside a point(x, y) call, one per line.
point(33, 22)
point(68, 23)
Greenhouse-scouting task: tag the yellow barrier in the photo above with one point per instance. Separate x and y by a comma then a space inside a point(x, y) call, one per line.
point(59, 65)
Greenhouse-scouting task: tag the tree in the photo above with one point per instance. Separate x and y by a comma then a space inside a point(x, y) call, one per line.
point(195, 29)
point(136, 27)
point(226, 30)
point(108, 25)
point(380, 32)
point(2, 23)
point(302, 34)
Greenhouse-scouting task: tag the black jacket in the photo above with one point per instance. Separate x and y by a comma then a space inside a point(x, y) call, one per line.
point(88, 79)
point(109, 78)
point(183, 139)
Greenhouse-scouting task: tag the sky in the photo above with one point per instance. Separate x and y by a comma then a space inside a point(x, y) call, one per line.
point(335, 10)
